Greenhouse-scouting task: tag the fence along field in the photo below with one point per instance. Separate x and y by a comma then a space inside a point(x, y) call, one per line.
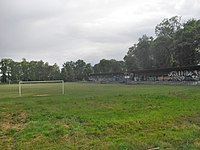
point(101, 116)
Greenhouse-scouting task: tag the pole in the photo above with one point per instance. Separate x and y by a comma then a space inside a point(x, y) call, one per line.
point(63, 87)
point(20, 89)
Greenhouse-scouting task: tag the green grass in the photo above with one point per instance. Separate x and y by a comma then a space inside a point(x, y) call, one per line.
point(100, 116)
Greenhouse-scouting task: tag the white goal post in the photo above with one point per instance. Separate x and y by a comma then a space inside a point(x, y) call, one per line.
point(33, 82)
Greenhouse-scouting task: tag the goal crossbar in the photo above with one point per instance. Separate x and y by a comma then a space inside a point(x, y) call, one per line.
point(32, 82)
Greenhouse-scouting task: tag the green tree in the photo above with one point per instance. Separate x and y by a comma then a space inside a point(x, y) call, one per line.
point(162, 52)
point(143, 52)
point(140, 56)
point(117, 66)
point(104, 66)
point(33, 70)
point(88, 70)
point(54, 72)
point(163, 45)
point(68, 71)
point(107, 66)
point(187, 44)
point(15, 71)
point(25, 74)
point(168, 27)
point(5, 66)
point(130, 59)
point(79, 69)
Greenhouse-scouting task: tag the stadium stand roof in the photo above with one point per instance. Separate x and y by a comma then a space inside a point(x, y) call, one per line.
point(152, 71)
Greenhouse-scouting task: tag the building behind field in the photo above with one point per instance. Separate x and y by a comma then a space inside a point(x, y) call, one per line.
point(188, 74)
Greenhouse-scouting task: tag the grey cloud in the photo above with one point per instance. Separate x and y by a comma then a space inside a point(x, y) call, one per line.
point(61, 30)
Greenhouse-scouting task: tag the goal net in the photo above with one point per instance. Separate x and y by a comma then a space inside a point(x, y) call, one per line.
point(41, 88)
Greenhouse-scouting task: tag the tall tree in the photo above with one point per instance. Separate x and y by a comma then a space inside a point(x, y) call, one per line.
point(130, 59)
point(68, 71)
point(107, 66)
point(16, 72)
point(139, 56)
point(187, 44)
point(73, 71)
point(162, 52)
point(168, 27)
point(54, 72)
point(88, 70)
point(33, 70)
point(143, 52)
point(5, 66)
point(163, 45)
point(25, 70)
point(104, 66)
point(79, 69)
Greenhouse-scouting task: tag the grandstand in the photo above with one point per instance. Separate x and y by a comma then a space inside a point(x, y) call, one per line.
point(189, 74)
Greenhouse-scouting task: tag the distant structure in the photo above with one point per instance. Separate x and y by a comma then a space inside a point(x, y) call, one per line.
point(107, 77)
point(187, 74)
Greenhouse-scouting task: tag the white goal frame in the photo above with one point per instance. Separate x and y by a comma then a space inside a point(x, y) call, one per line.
point(50, 81)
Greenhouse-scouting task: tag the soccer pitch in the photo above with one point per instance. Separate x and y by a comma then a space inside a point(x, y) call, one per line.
point(100, 116)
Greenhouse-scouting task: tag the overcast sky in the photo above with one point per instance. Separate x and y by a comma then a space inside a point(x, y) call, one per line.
point(57, 31)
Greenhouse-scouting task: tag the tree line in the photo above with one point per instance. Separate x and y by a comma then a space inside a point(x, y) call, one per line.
point(176, 44)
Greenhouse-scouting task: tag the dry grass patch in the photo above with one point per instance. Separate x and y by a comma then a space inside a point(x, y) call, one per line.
point(189, 120)
point(197, 142)
point(16, 121)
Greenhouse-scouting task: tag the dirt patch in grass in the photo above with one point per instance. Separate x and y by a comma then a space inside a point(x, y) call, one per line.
point(16, 121)
point(197, 142)
point(190, 119)
point(149, 107)
point(41, 95)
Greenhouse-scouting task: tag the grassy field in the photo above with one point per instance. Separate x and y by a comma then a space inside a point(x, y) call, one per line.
point(100, 116)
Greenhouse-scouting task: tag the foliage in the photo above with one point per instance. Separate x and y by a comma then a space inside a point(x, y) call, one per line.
point(107, 66)
point(187, 44)
point(130, 59)
point(176, 45)
point(162, 52)
point(139, 56)
point(5, 67)
point(67, 71)
point(76, 71)
point(168, 27)
point(24, 70)
point(38, 70)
